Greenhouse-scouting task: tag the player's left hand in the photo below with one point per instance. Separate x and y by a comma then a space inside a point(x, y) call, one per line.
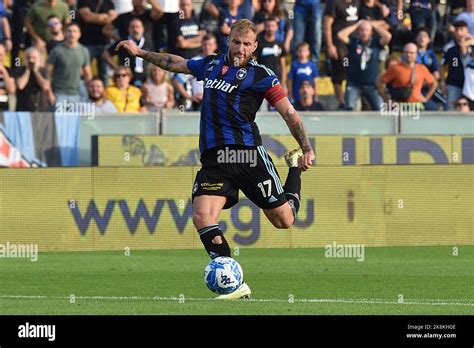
point(306, 161)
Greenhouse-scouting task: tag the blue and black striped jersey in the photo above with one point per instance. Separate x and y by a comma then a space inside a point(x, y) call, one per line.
point(232, 97)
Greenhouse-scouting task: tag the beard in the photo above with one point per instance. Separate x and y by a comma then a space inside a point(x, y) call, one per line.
point(94, 99)
point(238, 61)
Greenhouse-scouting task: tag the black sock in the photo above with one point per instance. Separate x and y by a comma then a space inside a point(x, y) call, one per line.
point(207, 234)
point(293, 189)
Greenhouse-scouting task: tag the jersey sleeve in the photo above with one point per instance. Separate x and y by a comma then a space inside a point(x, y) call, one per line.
point(268, 85)
point(197, 67)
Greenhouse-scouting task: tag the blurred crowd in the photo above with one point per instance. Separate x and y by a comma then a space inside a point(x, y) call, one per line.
point(376, 53)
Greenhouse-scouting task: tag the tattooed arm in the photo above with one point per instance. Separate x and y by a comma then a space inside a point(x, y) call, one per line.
point(295, 125)
point(165, 61)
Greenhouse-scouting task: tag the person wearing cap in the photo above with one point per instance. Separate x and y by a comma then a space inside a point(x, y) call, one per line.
point(456, 56)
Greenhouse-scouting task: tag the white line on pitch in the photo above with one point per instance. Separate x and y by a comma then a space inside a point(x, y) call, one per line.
point(425, 302)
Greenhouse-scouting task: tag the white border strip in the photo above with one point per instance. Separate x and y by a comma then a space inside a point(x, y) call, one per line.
point(423, 302)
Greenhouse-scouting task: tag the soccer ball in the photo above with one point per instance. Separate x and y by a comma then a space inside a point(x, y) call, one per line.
point(223, 275)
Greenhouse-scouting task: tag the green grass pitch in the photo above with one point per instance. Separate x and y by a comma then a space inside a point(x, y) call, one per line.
point(395, 280)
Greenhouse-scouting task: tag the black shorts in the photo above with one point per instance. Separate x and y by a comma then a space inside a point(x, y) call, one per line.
point(338, 71)
point(230, 168)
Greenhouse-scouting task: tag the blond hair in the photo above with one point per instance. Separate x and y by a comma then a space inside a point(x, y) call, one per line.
point(244, 26)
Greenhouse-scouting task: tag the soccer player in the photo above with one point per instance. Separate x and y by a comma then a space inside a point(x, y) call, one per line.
point(234, 88)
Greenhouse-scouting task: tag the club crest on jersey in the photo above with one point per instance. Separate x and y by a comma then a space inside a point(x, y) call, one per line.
point(241, 73)
point(224, 69)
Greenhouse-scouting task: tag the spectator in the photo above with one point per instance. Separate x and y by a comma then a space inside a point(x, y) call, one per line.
point(189, 35)
point(456, 52)
point(36, 22)
point(301, 69)
point(396, 11)
point(207, 20)
point(124, 96)
point(157, 91)
point(307, 25)
point(308, 19)
point(33, 89)
point(427, 57)
point(392, 59)
point(271, 8)
point(136, 64)
point(468, 88)
point(147, 16)
point(55, 27)
point(363, 64)
point(95, 92)
point(270, 52)
point(66, 63)
point(338, 15)
point(423, 15)
point(229, 14)
point(5, 30)
point(407, 79)
point(456, 7)
point(121, 6)
point(468, 16)
point(376, 12)
point(462, 104)
point(94, 15)
point(20, 37)
point(168, 20)
point(214, 7)
point(189, 89)
point(307, 101)
point(7, 83)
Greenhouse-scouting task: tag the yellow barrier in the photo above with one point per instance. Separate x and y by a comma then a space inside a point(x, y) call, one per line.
point(138, 151)
point(148, 208)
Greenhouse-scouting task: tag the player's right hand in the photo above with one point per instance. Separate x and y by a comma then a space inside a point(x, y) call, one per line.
point(130, 46)
point(306, 161)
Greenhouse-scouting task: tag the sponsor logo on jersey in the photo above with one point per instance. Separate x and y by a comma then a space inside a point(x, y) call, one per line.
point(220, 85)
point(224, 69)
point(275, 82)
